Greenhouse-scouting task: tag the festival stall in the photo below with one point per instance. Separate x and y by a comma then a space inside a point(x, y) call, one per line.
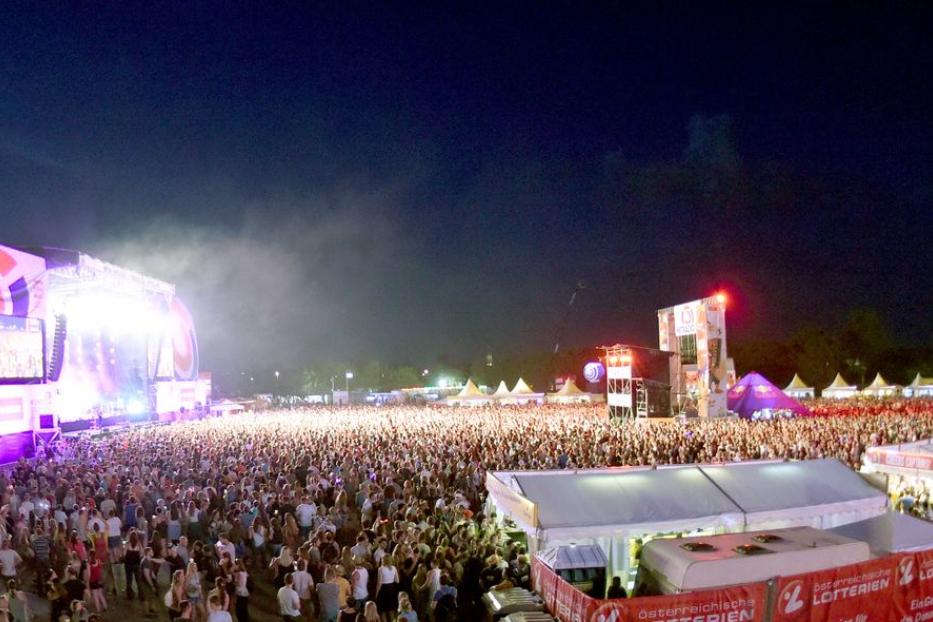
point(880, 387)
point(920, 387)
point(908, 463)
point(839, 389)
point(469, 395)
point(799, 390)
point(523, 394)
point(614, 507)
point(570, 393)
point(610, 507)
point(755, 397)
point(502, 391)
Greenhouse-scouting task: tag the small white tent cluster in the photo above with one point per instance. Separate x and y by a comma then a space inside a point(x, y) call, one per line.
point(840, 389)
point(470, 395)
point(799, 390)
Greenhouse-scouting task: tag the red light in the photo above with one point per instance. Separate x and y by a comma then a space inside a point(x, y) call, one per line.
point(626, 360)
point(613, 360)
point(721, 298)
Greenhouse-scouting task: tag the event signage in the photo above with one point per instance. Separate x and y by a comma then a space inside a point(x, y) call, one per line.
point(741, 603)
point(859, 593)
point(895, 588)
point(687, 318)
point(900, 459)
point(914, 601)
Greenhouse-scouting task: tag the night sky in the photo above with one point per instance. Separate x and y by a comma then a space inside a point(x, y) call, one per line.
point(426, 180)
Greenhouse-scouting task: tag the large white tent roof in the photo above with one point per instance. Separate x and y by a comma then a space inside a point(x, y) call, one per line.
point(581, 504)
point(818, 493)
point(890, 532)
point(502, 390)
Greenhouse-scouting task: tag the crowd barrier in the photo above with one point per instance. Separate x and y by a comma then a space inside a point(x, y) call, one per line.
point(896, 588)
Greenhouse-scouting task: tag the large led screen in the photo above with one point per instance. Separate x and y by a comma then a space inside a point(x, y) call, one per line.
point(21, 356)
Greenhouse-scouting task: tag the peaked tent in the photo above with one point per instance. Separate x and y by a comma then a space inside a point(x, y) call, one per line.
point(920, 387)
point(521, 388)
point(879, 387)
point(501, 391)
point(469, 389)
point(570, 393)
point(839, 389)
point(469, 395)
point(798, 389)
point(523, 394)
point(754, 394)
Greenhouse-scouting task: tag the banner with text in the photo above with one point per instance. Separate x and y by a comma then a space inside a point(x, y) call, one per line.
point(859, 593)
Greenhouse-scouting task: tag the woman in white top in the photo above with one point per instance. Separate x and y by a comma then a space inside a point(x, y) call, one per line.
point(387, 588)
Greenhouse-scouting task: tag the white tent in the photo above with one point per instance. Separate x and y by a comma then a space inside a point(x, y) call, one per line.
point(523, 394)
point(920, 387)
point(570, 393)
point(839, 389)
point(798, 389)
point(469, 395)
point(501, 391)
point(813, 493)
point(891, 532)
point(610, 507)
point(879, 387)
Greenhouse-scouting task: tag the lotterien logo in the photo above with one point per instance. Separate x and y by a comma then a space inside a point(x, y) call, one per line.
point(790, 597)
point(905, 571)
point(606, 613)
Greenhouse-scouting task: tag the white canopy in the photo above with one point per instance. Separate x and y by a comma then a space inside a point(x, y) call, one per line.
point(470, 390)
point(840, 388)
point(502, 390)
point(920, 387)
point(798, 388)
point(522, 388)
point(890, 532)
point(815, 493)
point(610, 506)
point(569, 393)
point(879, 387)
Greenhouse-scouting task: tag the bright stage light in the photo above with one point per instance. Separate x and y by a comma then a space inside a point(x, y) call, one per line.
point(135, 406)
point(722, 298)
point(118, 315)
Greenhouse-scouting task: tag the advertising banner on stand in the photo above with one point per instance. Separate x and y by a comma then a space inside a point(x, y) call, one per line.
point(858, 592)
point(914, 599)
point(740, 603)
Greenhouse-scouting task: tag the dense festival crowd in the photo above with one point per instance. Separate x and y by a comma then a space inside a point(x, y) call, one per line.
point(362, 513)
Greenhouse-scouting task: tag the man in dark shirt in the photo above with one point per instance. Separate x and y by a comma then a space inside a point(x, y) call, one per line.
point(74, 587)
point(616, 590)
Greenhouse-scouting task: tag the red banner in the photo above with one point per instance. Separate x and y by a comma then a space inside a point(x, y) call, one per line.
point(742, 603)
point(896, 588)
point(856, 593)
point(914, 599)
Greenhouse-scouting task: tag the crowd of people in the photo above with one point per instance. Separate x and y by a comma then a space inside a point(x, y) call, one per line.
point(360, 513)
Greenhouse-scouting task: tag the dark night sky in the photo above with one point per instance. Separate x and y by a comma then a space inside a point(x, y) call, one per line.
point(409, 182)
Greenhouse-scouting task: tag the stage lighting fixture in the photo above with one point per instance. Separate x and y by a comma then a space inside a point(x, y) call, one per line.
point(721, 298)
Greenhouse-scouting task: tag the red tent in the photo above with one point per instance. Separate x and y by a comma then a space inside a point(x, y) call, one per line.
point(754, 393)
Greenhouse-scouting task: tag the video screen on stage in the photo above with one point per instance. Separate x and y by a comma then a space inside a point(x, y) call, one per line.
point(21, 348)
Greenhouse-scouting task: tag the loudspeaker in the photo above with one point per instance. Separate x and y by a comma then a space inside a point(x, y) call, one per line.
point(47, 422)
point(57, 352)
